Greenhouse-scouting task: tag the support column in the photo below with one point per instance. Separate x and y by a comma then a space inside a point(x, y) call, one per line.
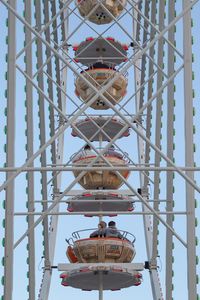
point(189, 156)
point(30, 147)
point(10, 154)
point(139, 101)
point(100, 286)
point(170, 141)
point(46, 281)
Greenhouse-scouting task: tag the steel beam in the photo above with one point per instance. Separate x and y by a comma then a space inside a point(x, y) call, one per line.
point(99, 212)
point(10, 155)
point(42, 127)
point(130, 266)
point(158, 127)
point(45, 286)
point(189, 155)
point(139, 79)
point(30, 139)
point(150, 91)
point(71, 168)
point(95, 201)
point(46, 280)
point(50, 85)
point(144, 58)
point(55, 37)
point(170, 141)
point(157, 289)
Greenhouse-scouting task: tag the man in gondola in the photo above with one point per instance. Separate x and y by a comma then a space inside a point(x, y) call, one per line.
point(112, 231)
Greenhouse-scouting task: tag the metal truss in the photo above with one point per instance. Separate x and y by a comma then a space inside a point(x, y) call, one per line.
point(45, 71)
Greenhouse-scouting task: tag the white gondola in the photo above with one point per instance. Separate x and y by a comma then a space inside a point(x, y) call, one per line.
point(106, 179)
point(101, 250)
point(99, 14)
point(99, 78)
point(104, 250)
point(101, 55)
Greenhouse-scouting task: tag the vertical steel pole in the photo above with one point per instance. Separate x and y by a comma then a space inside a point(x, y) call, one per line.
point(46, 282)
point(100, 285)
point(30, 139)
point(158, 127)
point(42, 126)
point(189, 156)
point(10, 154)
point(170, 140)
point(139, 77)
point(100, 146)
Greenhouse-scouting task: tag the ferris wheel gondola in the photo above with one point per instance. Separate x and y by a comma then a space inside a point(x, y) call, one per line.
point(102, 13)
point(101, 250)
point(101, 179)
point(101, 56)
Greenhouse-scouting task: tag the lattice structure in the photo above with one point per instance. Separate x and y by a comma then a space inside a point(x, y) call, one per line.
point(98, 118)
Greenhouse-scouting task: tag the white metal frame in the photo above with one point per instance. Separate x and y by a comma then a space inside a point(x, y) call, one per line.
point(144, 141)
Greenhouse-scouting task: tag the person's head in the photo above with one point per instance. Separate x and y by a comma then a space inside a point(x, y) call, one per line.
point(87, 147)
point(111, 224)
point(102, 225)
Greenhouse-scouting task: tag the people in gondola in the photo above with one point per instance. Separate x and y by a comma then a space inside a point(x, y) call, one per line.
point(98, 65)
point(111, 151)
point(87, 150)
point(101, 232)
point(112, 231)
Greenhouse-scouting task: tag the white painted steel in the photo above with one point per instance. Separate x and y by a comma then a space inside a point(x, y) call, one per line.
point(56, 63)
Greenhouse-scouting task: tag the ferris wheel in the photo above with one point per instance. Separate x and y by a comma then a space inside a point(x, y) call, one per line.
point(99, 167)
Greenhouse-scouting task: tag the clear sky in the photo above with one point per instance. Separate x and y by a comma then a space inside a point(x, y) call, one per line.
point(69, 224)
